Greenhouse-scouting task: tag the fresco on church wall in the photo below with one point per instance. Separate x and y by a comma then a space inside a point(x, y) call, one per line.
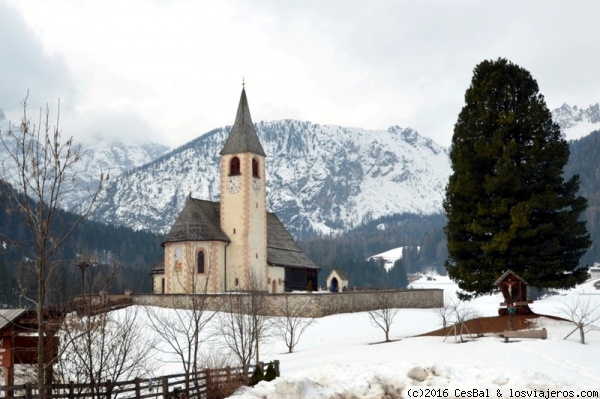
point(178, 260)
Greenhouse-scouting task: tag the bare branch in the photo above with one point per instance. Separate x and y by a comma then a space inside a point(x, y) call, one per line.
point(582, 312)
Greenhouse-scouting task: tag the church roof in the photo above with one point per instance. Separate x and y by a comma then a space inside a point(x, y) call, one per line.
point(199, 221)
point(281, 248)
point(243, 137)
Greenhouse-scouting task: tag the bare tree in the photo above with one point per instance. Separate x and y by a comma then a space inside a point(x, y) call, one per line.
point(444, 313)
point(383, 316)
point(105, 346)
point(458, 314)
point(244, 322)
point(99, 345)
point(290, 325)
point(583, 313)
point(37, 166)
point(182, 331)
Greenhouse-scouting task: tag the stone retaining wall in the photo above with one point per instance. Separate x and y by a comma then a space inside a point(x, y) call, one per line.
point(311, 305)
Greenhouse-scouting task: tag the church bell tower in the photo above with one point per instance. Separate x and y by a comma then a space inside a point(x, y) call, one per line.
point(243, 208)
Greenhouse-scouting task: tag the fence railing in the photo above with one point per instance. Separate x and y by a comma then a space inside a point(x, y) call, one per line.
point(205, 384)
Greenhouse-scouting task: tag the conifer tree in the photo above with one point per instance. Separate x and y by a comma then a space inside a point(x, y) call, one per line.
point(507, 203)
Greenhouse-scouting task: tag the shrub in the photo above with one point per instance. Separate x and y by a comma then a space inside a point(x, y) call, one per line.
point(257, 375)
point(270, 374)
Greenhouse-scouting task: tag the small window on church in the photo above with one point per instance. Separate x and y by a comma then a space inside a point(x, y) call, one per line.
point(201, 262)
point(255, 168)
point(234, 167)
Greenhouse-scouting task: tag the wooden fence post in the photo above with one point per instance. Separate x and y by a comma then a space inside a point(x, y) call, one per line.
point(276, 364)
point(28, 390)
point(71, 390)
point(137, 387)
point(165, 387)
point(207, 377)
point(108, 385)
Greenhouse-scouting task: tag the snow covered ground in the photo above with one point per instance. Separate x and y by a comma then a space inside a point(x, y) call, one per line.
point(337, 358)
point(340, 357)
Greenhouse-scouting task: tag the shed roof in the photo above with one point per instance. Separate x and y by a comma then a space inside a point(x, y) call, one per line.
point(505, 275)
point(8, 316)
point(243, 137)
point(341, 274)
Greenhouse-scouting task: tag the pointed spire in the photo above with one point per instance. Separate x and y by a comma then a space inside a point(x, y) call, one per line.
point(243, 137)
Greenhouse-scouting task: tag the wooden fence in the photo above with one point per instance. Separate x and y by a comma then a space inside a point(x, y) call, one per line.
point(205, 384)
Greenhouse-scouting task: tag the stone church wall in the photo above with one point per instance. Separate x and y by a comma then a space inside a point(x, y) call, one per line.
point(312, 305)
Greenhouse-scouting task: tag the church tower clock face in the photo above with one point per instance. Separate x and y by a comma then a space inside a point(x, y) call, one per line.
point(234, 184)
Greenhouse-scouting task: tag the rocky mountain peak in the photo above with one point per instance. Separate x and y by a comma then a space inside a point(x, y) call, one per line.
point(320, 178)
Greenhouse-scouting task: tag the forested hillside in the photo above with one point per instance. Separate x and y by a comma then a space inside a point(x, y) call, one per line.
point(585, 161)
point(422, 237)
point(125, 254)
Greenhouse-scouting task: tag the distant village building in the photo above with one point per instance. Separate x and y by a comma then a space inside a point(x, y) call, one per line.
point(594, 271)
point(234, 244)
point(337, 280)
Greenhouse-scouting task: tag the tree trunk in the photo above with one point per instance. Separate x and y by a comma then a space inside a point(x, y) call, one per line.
point(41, 359)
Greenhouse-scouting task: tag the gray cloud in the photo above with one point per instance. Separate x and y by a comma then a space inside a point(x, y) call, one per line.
point(169, 70)
point(24, 66)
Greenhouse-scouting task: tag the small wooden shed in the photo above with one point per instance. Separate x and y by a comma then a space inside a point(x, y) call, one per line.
point(337, 280)
point(514, 291)
point(19, 343)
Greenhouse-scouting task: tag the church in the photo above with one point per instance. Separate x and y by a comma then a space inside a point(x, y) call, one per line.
point(235, 244)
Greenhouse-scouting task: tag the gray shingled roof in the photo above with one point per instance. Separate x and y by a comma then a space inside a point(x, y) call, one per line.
point(159, 267)
point(243, 137)
point(200, 221)
point(340, 273)
point(7, 316)
point(281, 248)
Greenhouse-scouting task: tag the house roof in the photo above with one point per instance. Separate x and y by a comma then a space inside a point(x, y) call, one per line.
point(341, 274)
point(200, 221)
point(243, 137)
point(505, 275)
point(8, 316)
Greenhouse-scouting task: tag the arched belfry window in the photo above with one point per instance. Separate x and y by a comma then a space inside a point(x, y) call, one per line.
point(255, 168)
point(201, 262)
point(234, 167)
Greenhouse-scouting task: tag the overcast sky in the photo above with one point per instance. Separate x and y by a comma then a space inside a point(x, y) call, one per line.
point(171, 70)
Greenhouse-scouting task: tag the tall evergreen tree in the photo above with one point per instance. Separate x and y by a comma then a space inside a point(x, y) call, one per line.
point(507, 203)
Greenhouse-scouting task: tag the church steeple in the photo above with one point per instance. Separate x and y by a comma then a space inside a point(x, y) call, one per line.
point(243, 137)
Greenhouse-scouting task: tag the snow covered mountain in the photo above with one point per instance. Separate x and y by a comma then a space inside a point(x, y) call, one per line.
point(320, 178)
point(113, 158)
point(577, 122)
